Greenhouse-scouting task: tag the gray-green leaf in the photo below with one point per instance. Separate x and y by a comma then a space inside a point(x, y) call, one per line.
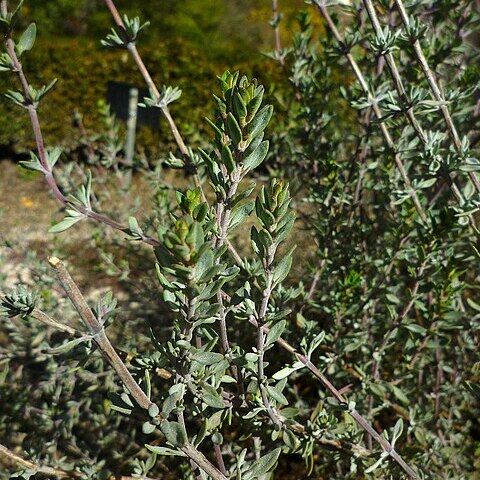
point(27, 39)
point(263, 465)
point(275, 332)
point(165, 451)
point(283, 268)
point(207, 358)
point(66, 223)
point(260, 122)
point(254, 159)
point(174, 433)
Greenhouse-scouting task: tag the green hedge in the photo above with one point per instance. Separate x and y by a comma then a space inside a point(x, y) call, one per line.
point(84, 68)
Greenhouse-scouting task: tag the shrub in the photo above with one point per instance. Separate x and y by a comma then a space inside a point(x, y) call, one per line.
point(228, 364)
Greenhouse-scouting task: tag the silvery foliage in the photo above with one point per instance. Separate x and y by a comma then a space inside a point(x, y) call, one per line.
point(392, 315)
point(396, 296)
point(195, 273)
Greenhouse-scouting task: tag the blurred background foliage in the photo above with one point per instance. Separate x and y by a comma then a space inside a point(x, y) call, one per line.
point(188, 43)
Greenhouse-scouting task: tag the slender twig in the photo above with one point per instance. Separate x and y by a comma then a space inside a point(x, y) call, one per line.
point(39, 469)
point(276, 32)
point(32, 111)
point(432, 82)
point(132, 48)
point(203, 462)
point(84, 134)
point(408, 110)
point(97, 331)
point(378, 113)
point(98, 334)
point(262, 312)
point(438, 380)
point(50, 322)
point(223, 212)
point(219, 457)
point(385, 444)
point(31, 107)
point(43, 470)
point(42, 317)
point(313, 285)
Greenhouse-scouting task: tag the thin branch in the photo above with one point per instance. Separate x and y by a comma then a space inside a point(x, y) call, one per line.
point(313, 285)
point(42, 317)
point(50, 322)
point(31, 107)
point(84, 135)
point(432, 82)
point(223, 212)
point(132, 48)
point(438, 380)
point(203, 462)
point(267, 292)
point(378, 113)
point(219, 458)
point(276, 32)
point(43, 470)
point(98, 333)
point(39, 469)
point(385, 444)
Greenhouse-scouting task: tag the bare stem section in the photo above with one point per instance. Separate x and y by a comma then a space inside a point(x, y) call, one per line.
point(48, 472)
point(98, 334)
point(97, 331)
point(31, 107)
point(42, 470)
point(276, 33)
